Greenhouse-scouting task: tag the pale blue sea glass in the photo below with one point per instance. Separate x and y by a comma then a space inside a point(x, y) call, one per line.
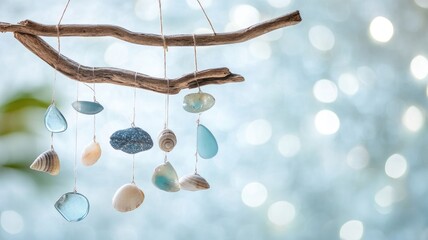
point(132, 140)
point(165, 178)
point(73, 206)
point(207, 144)
point(54, 120)
point(86, 107)
point(198, 102)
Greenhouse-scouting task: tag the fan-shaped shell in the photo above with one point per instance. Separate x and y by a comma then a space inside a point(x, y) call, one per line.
point(167, 140)
point(47, 162)
point(128, 197)
point(194, 182)
point(91, 154)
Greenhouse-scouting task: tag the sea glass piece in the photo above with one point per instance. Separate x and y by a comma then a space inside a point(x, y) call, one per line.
point(127, 198)
point(54, 120)
point(194, 182)
point(132, 140)
point(165, 178)
point(198, 102)
point(87, 107)
point(73, 206)
point(207, 145)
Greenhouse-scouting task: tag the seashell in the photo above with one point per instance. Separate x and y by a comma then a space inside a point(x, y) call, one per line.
point(198, 102)
point(73, 206)
point(87, 107)
point(167, 140)
point(206, 143)
point(128, 197)
point(91, 154)
point(165, 178)
point(47, 162)
point(54, 120)
point(132, 140)
point(194, 182)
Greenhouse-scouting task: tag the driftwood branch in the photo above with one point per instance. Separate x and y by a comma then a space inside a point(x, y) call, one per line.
point(122, 77)
point(33, 28)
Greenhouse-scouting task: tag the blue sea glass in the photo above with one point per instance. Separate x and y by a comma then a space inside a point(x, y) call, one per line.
point(73, 206)
point(86, 107)
point(198, 102)
point(132, 140)
point(207, 145)
point(54, 120)
point(165, 178)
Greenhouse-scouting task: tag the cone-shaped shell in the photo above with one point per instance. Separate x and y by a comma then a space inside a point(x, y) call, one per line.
point(128, 197)
point(47, 162)
point(86, 107)
point(194, 182)
point(167, 140)
point(91, 154)
point(198, 102)
point(165, 178)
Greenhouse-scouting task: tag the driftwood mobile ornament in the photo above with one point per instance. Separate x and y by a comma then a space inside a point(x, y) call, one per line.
point(74, 206)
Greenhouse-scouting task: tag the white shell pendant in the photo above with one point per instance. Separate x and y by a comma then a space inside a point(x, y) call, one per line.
point(128, 197)
point(167, 140)
point(47, 162)
point(91, 154)
point(194, 182)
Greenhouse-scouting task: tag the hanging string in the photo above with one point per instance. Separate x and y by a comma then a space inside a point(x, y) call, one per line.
point(206, 16)
point(135, 101)
point(196, 61)
point(75, 143)
point(133, 168)
point(197, 150)
point(95, 100)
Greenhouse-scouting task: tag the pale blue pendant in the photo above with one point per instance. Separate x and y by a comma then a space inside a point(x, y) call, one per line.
point(165, 178)
point(73, 206)
point(198, 102)
point(207, 145)
point(54, 120)
point(132, 140)
point(87, 107)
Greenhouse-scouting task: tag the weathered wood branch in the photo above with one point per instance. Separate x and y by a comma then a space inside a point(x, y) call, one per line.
point(122, 77)
point(33, 28)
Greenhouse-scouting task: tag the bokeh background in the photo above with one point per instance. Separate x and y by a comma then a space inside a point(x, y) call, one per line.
point(326, 138)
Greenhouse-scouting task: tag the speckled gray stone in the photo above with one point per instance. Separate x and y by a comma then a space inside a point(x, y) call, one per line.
point(132, 140)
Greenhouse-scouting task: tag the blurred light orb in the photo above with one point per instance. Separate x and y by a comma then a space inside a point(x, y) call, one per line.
point(244, 15)
point(358, 158)
point(116, 55)
point(279, 3)
point(11, 222)
point(260, 50)
point(352, 230)
point(327, 122)
point(289, 145)
point(348, 84)
point(254, 194)
point(194, 4)
point(281, 213)
point(258, 132)
point(321, 37)
point(381, 29)
point(396, 166)
point(325, 91)
point(413, 119)
point(385, 197)
point(422, 3)
point(419, 67)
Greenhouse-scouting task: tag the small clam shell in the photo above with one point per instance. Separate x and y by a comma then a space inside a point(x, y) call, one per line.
point(128, 197)
point(167, 140)
point(194, 182)
point(47, 162)
point(91, 154)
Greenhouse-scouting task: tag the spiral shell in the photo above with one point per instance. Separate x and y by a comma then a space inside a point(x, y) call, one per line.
point(47, 162)
point(194, 182)
point(167, 140)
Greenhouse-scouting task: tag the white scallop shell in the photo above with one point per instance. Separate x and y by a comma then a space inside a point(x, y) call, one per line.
point(47, 162)
point(128, 197)
point(91, 154)
point(167, 140)
point(194, 182)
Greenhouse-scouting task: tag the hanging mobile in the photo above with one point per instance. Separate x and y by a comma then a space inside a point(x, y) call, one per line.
point(131, 140)
point(165, 177)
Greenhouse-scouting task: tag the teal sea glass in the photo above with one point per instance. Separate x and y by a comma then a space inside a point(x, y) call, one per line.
point(165, 178)
point(86, 107)
point(198, 102)
point(207, 144)
point(73, 206)
point(54, 120)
